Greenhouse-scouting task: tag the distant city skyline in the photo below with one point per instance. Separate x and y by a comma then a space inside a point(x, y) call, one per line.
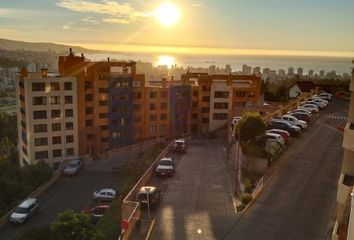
point(257, 27)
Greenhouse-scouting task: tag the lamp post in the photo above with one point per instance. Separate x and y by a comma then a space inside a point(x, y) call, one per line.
point(148, 201)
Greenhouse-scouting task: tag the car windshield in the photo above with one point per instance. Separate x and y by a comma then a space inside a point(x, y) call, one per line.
point(21, 210)
point(71, 165)
point(165, 163)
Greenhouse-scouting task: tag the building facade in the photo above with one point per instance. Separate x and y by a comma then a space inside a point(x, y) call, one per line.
point(344, 225)
point(47, 118)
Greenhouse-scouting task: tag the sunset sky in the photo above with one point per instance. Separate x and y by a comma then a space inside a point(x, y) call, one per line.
point(301, 27)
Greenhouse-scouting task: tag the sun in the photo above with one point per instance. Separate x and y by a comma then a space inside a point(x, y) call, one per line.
point(167, 14)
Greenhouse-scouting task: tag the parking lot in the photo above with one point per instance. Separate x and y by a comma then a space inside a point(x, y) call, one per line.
point(298, 203)
point(71, 193)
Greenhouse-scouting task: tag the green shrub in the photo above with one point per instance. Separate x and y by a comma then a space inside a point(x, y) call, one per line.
point(246, 198)
point(248, 185)
point(251, 149)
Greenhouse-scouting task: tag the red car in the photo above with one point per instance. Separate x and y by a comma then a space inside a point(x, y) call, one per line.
point(96, 211)
point(285, 135)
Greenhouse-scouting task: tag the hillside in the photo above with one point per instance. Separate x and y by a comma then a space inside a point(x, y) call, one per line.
point(40, 46)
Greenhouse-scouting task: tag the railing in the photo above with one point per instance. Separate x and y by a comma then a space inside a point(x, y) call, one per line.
point(258, 188)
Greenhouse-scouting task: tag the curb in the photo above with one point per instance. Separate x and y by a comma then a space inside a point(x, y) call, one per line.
point(148, 235)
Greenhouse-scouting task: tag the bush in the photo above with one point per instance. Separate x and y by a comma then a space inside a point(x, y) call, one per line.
point(251, 149)
point(248, 185)
point(109, 224)
point(246, 198)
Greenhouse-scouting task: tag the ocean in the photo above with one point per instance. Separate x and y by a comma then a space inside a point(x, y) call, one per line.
point(340, 65)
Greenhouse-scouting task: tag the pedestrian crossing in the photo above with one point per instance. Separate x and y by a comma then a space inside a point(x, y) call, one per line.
point(338, 117)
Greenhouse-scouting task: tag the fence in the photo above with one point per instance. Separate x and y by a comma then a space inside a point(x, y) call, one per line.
point(132, 214)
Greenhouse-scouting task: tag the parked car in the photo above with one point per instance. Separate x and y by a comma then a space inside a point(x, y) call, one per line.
point(301, 111)
point(149, 196)
point(284, 125)
point(326, 96)
point(72, 167)
point(96, 212)
point(320, 99)
point(320, 105)
point(273, 137)
point(165, 167)
point(24, 211)
point(105, 194)
point(285, 135)
point(310, 107)
point(294, 121)
point(301, 116)
point(180, 146)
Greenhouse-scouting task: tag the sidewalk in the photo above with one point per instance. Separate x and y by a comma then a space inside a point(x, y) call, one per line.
point(140, 233)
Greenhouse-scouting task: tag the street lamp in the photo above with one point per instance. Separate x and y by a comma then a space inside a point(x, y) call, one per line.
point(148, 201)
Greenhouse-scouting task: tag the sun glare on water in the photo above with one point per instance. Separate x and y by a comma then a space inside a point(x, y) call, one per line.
point(165, 60)
point(167, 14)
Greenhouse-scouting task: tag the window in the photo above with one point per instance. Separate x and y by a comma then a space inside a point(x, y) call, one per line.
point(163, 106)
point(103, 90)
point(56, 153)
point(219, 105)
point(206, 88)
point(38, 128)
point(220, 116)
point(70, 139)
point(54, 86)
point(104, 139)
point(55, 100)
point(38, 87)
point(251, 94)
point(153, 129)
point(104, 128)
point(41, 155)
point(88, 85)
point(136, 107)
point(221, 94)
point(205, 120)
point(122, 109)
point(137, 119)
point(89, 123)
point(103, 103)
point(56, 127)
point(42, 114)
point(137, 95)
point(89, 97)
point(195, 93)
point(195, 116)
point(205, 110)
point(153, 117)
point(206, 99)
point(68, 99)
point(55, 113)
point(89, 110)
point(195, 104)
point(153, 94)
point(163, 128)
point(152, 106)
point(240, 93)
point(163, 116)
point(68, 86)
point(120, 97)
point(69, 126)
point(89, 136)
point(103, 115)
point(69, 113)
point(56, 140)
point(69, 151)
point(41, 141)
point(39, 101)
point(163, 94)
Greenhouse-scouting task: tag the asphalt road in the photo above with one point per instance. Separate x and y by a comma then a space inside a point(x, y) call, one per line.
point(298, 203)
point(71, 193)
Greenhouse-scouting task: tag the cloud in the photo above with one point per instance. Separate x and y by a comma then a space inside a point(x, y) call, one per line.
point(196, 5)
point(113, 11)
point(74, 27)
point(89, 20)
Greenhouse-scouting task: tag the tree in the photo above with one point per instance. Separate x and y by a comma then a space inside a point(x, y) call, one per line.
point(251, 127)
point(36, 234)
point(74, 226)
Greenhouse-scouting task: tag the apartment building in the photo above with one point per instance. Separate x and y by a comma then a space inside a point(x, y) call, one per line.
point(213, 96)
point(344, 225)
point(47, 117)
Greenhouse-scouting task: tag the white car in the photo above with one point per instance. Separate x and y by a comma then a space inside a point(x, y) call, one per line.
point(326, 96)
point(165, 167)
point(273, 137)
point(24, 210)
point(105, 194)
point(301, 111)
point(320, 101)
point(294, 121)
point(310, 107)
point(72, 167)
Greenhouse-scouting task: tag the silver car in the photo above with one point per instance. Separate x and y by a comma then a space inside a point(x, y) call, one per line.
point(24, 210)
point(72, 167)
point(105, 194)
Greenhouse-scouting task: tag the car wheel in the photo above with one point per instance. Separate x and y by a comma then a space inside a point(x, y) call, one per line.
point(98, 199)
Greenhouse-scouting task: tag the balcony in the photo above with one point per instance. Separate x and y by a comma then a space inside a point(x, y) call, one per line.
point(345, 184)
point(348, 139)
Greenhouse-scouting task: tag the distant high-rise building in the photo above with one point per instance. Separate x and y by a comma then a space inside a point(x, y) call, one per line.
point(228, 69)
point(257, 71)
point(310, 73)
point(290, 71)
point(300, 71)
point(247, 70)
point(47, 118)
point(322, 73)
point(281, 72)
